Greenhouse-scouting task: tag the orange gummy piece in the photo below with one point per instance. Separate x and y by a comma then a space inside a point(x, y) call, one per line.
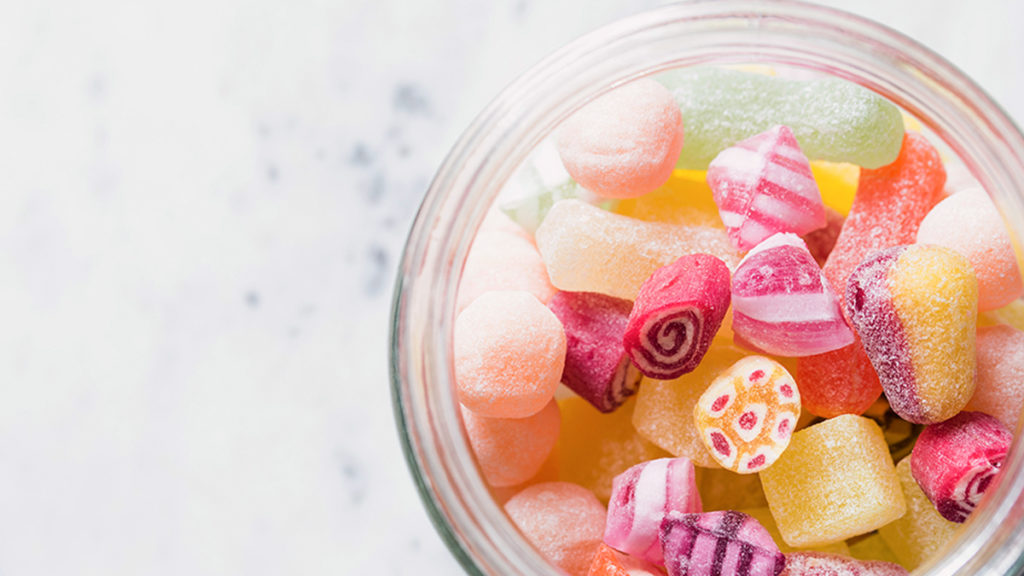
point(609, 562)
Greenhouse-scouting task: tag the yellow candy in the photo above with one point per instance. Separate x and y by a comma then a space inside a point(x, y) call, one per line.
point(1012, 314)
point(685, 199)
point(837, 183)
point(664, 409)
point(594, 448)
point(872, 547)
point(764, 516)
point(725, 490)
point(922, 531)
point(835, 481)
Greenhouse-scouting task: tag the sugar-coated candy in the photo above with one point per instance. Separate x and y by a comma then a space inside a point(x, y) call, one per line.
point(1011, 315)
point(587, 249)
point(610, 562)
point(563, 521)
point(832, 119)
point(511, 450)
point(596, 364)
point(836, 480)
point(724, 543)
point(872, 546)
point(764, 517)
point(722, 489)
point(822, 564)
point(914, 308)
point(842, 381)
point(664, 408)
point(920, 533)
point(625, 143)
point(529, 211)
point(686, 199)
point(548, 473)
point(748, 414)
point(888, 208)
point(956, 461)
point(595, 447)
point(676, 315)
point(999, 386)
point(821, 241)
point(782, 303)
point(502, 257)
point(969, 223)
point(763, 185)
point(641, 499)
point(837, 183)
point(509, 352)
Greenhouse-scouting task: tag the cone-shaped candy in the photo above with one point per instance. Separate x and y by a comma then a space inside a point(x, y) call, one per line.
point(956, 461)
point(725, 543)
point(676, 314)
point(782, 303)
point(763, 185)
point(914, 308)
point(641, 498)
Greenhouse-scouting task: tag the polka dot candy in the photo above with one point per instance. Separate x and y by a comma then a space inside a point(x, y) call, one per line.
point(748, 414)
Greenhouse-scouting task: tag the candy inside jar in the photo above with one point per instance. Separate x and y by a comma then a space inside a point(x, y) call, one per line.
point(767, 344)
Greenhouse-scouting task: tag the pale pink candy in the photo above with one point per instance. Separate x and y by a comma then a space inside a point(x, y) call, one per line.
point(999, 388)
point(724, 543)
point(764, 185)
point(782, 303)
point(822, 564)
point(641, 498)
point(969, 223)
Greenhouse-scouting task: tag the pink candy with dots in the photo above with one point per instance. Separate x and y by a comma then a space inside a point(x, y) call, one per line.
point(624, 144)
point(725, 543)
point(764, 185)
point(641, 498)
point(782, 303)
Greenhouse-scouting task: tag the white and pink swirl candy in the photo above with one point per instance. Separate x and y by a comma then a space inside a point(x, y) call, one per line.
point(641, 498)
point(676, 314)
point(782, 303)
point(764, 185)
point(954, 462)
point(724, 543)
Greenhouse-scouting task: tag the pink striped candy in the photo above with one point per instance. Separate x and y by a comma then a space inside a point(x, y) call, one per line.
point(782, 303)
point(764, 185)
point(641, 498)
point(724, 543)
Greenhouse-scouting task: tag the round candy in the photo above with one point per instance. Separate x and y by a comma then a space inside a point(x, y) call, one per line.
point(509, 354)
point(511, 450)
point(625, 143)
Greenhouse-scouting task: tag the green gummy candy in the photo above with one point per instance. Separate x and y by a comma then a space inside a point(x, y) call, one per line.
point(832, 119)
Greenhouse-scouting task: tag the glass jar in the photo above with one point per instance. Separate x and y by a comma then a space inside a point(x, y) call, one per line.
point(784, 33)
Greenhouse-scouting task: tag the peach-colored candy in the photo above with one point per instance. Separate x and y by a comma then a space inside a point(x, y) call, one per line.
point(509, 354)
point(748, 414)
point(999, 386)
point(503, 257)
point(548, 473)
point(511, 450)
point(564, 521)
point(625, 143)
point(969, 223)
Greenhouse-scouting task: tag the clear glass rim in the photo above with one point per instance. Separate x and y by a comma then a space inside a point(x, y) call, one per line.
point(786, 32)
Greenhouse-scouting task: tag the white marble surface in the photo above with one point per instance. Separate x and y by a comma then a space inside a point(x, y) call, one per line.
point(202, 206)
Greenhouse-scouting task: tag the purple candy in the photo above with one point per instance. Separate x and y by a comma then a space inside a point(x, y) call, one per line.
point(596, 364)
point(724, 543)
point(641, 498)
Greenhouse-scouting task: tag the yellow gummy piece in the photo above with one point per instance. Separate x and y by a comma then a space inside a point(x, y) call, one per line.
point(873, 547)
point(664, 409)
point(587, 249)
point(837, 182)
point(836, 480)
point(722, 489)
point(764, 516)
point(685, 199)
point(922, 531)
point(594, 447)
point(935, 293)
point(1012, 315)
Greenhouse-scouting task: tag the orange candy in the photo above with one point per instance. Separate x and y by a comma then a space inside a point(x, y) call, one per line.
point(511, 450)
point(609, 562)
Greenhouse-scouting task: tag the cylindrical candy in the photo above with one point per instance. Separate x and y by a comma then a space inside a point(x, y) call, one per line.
point(509, 354)
point(511, 450)
point(914, 308)
point(676, 315)
point(725, 543)
point(641, 498)
point(748, 414)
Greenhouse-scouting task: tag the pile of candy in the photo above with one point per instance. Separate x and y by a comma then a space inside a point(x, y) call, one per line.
point(725, 310)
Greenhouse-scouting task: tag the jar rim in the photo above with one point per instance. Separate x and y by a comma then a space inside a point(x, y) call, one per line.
point(699, 32)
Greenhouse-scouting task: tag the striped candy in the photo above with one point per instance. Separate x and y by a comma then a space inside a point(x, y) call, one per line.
point(641, 498)
point(676, 314)
point(782, 303)
point(764, 185)
point(724, 543)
